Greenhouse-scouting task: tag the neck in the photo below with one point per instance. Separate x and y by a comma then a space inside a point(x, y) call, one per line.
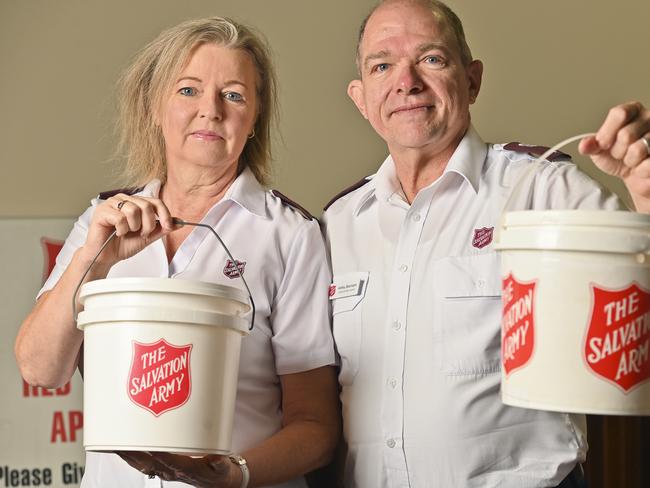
point(190, 196)
point(417, 168)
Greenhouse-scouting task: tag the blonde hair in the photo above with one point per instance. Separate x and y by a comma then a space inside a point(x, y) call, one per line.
point(145, 83)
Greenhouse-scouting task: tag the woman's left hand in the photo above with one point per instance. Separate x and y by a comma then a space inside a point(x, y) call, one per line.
point(619, 149)
point(211, 471)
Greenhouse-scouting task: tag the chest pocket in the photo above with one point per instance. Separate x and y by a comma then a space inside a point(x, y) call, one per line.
point(347, 325)
point(469, 291)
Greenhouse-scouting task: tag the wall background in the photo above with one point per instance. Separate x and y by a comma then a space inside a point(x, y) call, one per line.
point(552, 70)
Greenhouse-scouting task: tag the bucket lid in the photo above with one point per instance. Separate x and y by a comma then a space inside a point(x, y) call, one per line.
point(167, 315)
point(576, 230)
point(163, 285)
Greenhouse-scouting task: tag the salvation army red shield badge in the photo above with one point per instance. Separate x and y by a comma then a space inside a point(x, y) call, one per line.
point(160, 379)
point(482, 237)
point(517, 323)
point(617, 342)
point(234, 271)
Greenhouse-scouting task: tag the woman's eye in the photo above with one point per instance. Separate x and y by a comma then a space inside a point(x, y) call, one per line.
point(233, 96)
point(187, 91)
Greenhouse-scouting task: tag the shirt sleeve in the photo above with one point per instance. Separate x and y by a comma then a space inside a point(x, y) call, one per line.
point(74, 241)
point(302, 337)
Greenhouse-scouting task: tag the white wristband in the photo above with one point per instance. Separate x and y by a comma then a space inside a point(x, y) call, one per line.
point(245, 474)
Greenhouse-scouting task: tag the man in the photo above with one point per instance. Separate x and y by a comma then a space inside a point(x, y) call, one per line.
point(416, 292)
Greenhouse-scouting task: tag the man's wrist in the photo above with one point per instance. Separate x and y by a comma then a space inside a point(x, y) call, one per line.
point(240, 462)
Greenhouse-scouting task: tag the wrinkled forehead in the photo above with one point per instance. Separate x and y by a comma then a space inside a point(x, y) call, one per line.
point(405, 22)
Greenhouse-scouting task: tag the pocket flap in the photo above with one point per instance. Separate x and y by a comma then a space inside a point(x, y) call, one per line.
point(470, 276)
point(348, 290)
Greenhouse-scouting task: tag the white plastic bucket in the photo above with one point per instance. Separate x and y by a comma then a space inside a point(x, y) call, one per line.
point(576, 311)
point(161, 360)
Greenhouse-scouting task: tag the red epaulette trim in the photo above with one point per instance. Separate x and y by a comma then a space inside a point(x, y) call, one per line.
point(287, 201)
point(349, 189)
point(536, 151)
point(105, 195)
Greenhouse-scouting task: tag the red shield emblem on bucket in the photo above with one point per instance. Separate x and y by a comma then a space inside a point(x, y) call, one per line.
point(517, 323)
point(159, 379)
point(617, 344)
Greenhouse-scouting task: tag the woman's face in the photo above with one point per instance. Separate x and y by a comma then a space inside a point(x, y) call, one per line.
point(211, 109)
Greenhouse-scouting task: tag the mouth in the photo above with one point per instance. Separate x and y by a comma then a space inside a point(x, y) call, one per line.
point(412, 109)
point(206, 135)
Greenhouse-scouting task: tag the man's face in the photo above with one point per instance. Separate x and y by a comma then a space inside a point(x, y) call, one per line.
point(414, 89)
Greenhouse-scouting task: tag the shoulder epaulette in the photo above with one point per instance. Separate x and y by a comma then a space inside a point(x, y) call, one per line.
point(536, 151)
point(287, 201)
point(105, 195)
point(349, 189)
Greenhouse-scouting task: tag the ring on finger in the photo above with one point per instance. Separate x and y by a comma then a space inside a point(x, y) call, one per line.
point(646, 141)
point(121, 204)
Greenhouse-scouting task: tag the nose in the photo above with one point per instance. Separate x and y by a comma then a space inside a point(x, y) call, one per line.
point(211, 106)
point(408, 80)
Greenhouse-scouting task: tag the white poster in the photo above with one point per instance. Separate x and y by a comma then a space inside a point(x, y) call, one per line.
point(40, 430)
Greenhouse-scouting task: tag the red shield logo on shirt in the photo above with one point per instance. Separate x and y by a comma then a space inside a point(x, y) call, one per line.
point(618, 339)
point(232, 271)
point(482, 237)
point(51, 249)
point(517, 323)
point(159, 379)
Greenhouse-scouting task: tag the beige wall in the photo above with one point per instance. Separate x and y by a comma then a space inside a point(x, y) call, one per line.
point(552, 70)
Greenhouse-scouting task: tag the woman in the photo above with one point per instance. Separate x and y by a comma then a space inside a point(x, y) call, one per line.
point(196, 107)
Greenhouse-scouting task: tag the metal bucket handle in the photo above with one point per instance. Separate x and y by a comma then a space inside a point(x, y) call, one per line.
point(181, 223)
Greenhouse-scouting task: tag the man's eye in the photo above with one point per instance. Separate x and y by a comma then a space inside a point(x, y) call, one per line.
point(381, 67)
point(433, 60)
point(187, 91)
point(233, 97)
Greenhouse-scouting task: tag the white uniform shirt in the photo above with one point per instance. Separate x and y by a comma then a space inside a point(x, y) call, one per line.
point(286, 271)
point(417, 325)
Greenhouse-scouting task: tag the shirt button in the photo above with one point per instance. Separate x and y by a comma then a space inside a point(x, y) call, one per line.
point(480, 283)
point(403, 268)
point(392, 382)
point(397, 325)
point(390, 443)
point(416, 217)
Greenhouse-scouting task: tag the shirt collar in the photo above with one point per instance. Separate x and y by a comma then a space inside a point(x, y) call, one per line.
point(468, 158)
point(248, 193)
point(464, 161)
point(245, 191)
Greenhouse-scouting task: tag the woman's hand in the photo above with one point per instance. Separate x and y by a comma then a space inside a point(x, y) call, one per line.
point(618, 149)
point(138, 221)
point(205, 472)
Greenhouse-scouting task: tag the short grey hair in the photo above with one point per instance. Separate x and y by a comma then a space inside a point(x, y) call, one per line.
point(449, 18)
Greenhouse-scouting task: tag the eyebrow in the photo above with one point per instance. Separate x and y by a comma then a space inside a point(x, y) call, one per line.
point(199, 80)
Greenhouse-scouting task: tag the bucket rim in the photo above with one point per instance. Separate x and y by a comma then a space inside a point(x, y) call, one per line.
point(161, 314)
point(586, 218)
point(162, 285)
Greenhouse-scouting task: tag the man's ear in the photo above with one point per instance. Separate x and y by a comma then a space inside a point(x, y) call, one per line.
point(355, 92)
point(474, 75)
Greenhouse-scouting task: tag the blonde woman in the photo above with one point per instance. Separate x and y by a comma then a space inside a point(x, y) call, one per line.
point(196, 108)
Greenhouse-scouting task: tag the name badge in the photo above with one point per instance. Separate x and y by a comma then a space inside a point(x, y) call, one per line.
point(347, 288)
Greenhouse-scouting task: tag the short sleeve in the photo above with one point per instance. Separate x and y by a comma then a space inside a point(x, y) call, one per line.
point(302, 337)
point(74, 241)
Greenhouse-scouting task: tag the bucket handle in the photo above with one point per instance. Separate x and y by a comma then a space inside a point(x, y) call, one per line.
point(181, 223)
point(527, 176)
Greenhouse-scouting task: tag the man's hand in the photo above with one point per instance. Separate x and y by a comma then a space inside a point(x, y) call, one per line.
point(619, 150)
